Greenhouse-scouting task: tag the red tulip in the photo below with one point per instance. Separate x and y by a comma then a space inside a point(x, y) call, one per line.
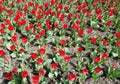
point(98, 70)
point(54, 65)
point(61, 52)
point(72, 77)
point(15, 70)
point(84, 71)
point(41, 72)
point(40, 61)
point(67, 58)
point(63, 42)
point(24, 40)
point(104, 56)
point(93, 40)
point(35, 79)
point(42, 51)
point(118, 43)
point(79, 49)
point(24, 74)
point(96, 59)
point(9, 76)
point(2, 53)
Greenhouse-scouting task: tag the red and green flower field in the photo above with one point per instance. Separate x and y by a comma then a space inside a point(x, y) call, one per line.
point(59, 41)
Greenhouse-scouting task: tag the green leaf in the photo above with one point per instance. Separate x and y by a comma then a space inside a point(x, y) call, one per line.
point(40, 2)
point(48, 61)
point(64, 81)
point(13, 55)
point(43, 82)
point(94, 24)
point(56, 73)
point(8, 45)
point(50, 75)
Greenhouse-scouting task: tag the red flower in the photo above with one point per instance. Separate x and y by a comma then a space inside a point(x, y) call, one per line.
point(2, 31)
point(49, 27)
point(61, 18)
point(24, 74)
point(109, 23)
point(12, 47)
point(88, 13)
point(3, 25)
point(6, 60)
point(54, 65)
point(104, 55)
point(69, 16)
point(79, 50)
point(52, 1)
point(2, 53)
point(61, 52)
point(117, 34)
point(63, 42)
point(24, 40)
point(93, 40)
point(35, 79)
point(1, 41)
point(42, 51)
point(11, 28)
point(41, 72)
point(9, 12)
point(27, 28)
point(37, 36)
point(47, 21)
point(40, 61)
point(31, 25)
point(118, 43)
point(33, 56)
point(84, 71)
point(65, 25)
point(9, 76)
point(42, 32)
point(7, 21)
point(14, 38)
point(98, 11)
point(46, 4)
point(58, 14)
point(1, 9)
point(55, 50)
point(79, 8)
point(65, 8)
point(84, 4)
point(77, 15)
point(105, 42)
point(114, 66)
point(55, 25)
point(99, 17)
point(67, 58)
point(21, 50)
point(30, 3)
point(80, 32)
point(72, 77)
point(84, 10)
point(98, 70)
point(78, 21)
point(97, 59)
point(23, 22)
point(89, 30)
point(15, 70)
point(94, 5)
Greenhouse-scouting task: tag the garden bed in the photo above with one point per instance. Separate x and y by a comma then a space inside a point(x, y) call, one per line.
point(60, 42)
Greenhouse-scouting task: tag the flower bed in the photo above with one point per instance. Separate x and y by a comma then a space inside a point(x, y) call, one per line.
point(60, 41)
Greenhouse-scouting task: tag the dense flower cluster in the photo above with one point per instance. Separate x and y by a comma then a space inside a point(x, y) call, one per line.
point(62, 41)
